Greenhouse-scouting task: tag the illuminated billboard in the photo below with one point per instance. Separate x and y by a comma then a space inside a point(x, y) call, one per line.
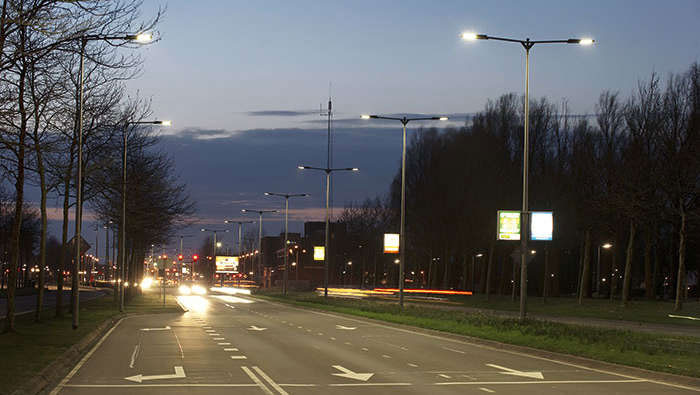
point(508, 225)
point(319, 253)
point(541, 225)
point(226, 264)
point(391, 243)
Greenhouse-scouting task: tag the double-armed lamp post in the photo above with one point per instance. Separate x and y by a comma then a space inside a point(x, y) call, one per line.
point(402, 234)
point(527, 44)
point(286, 197)
point(326, 252)
point(260, 221)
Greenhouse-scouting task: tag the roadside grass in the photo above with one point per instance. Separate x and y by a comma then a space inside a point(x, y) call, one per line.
point(664, 353)
point(33, 346)
point(638, 310)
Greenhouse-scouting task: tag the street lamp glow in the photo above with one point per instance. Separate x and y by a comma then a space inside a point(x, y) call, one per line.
point(607, 245)
point(355, 169)
point(300, 167)
point(166, 123)
point(444, 118)
point(363, 116)
point(586, 41)
point(469, 36)
point(144, 38)
point(479, 255)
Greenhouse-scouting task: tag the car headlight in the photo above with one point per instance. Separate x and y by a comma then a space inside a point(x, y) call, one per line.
point(184, 290)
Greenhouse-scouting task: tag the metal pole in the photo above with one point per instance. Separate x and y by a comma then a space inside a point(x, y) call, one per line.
point(286, 255)
point(75, 285)
point(122, 228)
point(326, 254)
point(525, 215)
point(473, 264)
point(597, 274)
point(402, 236)
point(260, 245)
point(108, 265)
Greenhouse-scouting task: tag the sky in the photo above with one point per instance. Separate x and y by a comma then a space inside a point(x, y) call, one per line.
point(242, 82)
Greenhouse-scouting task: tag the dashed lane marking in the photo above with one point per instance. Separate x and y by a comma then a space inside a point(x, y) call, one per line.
point(486, 389)
point(238, 357)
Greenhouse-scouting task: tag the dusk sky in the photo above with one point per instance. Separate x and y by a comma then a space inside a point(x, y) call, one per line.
point(242, 82)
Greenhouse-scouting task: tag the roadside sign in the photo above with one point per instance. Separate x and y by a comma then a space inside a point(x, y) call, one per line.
point(508, 225)
point(226, 264)
point(391, 243)
point(541, 225)
point(319, 253)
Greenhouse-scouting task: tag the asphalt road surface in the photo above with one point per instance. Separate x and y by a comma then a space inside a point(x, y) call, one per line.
point(236, 344)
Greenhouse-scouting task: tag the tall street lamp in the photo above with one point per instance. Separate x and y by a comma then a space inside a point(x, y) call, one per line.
point(527, 44)
point(84, 39)
point(479, 255)
point(122, 228)
point(326, 252)
point(240, 226)
point(607, 246)
point(260, 221)
point(286, 197)
point(402, 235)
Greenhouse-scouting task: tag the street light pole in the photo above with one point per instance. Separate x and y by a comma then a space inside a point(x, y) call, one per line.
point(122, 228)
point(402, 234)
point(260, 220)
point(597, 282)
point(286, 197)
point(84, 39)
point(524, 215)
point(326, 253)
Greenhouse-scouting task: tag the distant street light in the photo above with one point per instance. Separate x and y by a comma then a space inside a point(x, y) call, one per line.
point(286, 197)
point(259, 251)
point(527, 44)
point(597, 281)
point(326, 248)
point(215, 244)
point(84, 39)
point(473, 267)
point(402, 233)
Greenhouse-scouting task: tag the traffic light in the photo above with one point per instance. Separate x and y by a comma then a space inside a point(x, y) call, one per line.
point(195, 257)
point(179, 257)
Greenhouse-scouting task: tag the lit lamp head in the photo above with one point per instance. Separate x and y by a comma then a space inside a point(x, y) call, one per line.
point(143, 38)
point(363, 116)
point(166, 123)
point(471, 36)
point(607, 245)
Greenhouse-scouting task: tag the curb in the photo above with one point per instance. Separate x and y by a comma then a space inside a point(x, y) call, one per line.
point(52, 373)
point(685, 382)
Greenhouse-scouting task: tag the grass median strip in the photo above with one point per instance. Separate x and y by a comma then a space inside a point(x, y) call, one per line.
point(671, 354)
point(35, 345)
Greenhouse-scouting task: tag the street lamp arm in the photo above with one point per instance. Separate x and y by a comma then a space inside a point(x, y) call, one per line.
point(303, 167)
point(343, 169)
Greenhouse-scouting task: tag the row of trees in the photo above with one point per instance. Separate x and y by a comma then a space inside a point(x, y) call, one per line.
point(628, 174)
point(40, 46)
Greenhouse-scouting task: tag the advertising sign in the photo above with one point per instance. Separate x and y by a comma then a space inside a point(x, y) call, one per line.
point(391, 243)
point(226, 264)
point(319, 253)
point(541, 225)
point(508, 225)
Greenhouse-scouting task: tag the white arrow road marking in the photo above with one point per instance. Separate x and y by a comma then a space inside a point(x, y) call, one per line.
point(167, 328)
point(513, 372)
point(349, 374)
point(179, 374)
point(255, 328)
point(345, 328)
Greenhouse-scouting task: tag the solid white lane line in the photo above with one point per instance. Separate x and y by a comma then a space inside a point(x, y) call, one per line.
point(83, 360)
point(155, 385)
point(486, 389)
point(238, 357)
point(269, 381)
point(257, 381)
point(368, 384)
point(453, 350)
point(230, 349)
point(541, 382)
point(133, 356)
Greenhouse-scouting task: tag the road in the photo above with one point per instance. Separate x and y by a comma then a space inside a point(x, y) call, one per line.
point(235, 343)
point(27, 304)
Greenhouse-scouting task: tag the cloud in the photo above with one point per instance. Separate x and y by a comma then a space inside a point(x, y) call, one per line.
point(281, 113)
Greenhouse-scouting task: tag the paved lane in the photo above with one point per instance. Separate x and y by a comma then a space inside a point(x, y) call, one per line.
point(233, 343)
